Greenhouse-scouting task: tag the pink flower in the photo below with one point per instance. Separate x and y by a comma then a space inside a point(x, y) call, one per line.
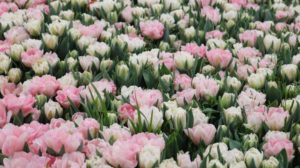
point(205, 87)
point(280, 14)
point(243, 71)
point(239, 2)
point(252, 6)
point(194, 49)
point(6, 7)
point(4, 46)
point(168, 62)
point(10, 88)
point(280, 26)
point(274, 146)
point(70, 93)
point(152, 29)
point(182, 81)
point(127, 14)
point(51, 58)
point(22, 103)
point(201, 132)
point(185, 96)
point(250, 98)
point(219, 57)
point(146, 98)
point(206, 2)
point(68, 160)
point(103, 85)
point(16, 35)
point(211, 14)
point(3, 117)
point(263, 26)
point(88, 126)
point(126, 111)
point(249, 37)
point(184, 160)
point(245, 54)
point(122, 153)
point(93, 30)
point(115, 132)
point(276, 118)
point(25, 160)
point(34, 13)
point(215, 34)
point(31, 56)
point(47, 85)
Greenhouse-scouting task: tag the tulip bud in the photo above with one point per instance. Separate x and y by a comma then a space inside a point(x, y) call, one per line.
point(75, 34)
point(86, 78)
point(4, 63)
point(250, 141)
point(167, 80)
point(113, 17)
point(290, 105)
point(79, 3)
point(40, 100)
point(15, 51)
point(184, 60)
point(178, 116)
point(57, 27)
point(41, 67)
point(253, 156)
point(84, 41)
point(272, 162)
point(105, 65)
point(67, 15)
point(33, 27)
point(215, 164)
point(289, 71)
point(14, 75)
point(233, 114)
point(164, 46)
point(227, 100)
point(230, 24)
point(50, 41)
point(52, 109)
point(291, 90)
point(189, 33)
point(122, 71)
point(272, 84)
point(112, 117)
point(71, 62)
point(256, 81)
point(272, 42)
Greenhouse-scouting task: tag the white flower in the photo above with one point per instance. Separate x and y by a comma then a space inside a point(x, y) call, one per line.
point(41, 67)
point(232, 114)
point(127, 91)
point(75, 34)
point(240, 164)
point(169, 163)
point(272, 162)
point(289, 71)
point(199, 116)
point(87, 62)
point(79, 3)
point(167, 19)
point(215, 164)
point(183, 60)
point(178, 117)
point(190, 32)
point(50, 41)
point(256, 81)
point(212, 150)
point(152, 117)
point(98, 49)
point(15, 51)
point(148, 156)
point(172, 4)
point(233, 156)
point(67, 15)
point(32, 43)
point(14, 75)
point(234, 83)
point(149, 3)
point(96, 161)
point(67, 80)
point(230, 15)
point(272, 42)
point(253, 155)
point(4, 63)
point(84, 41)
point(33, 27)
point(296, 59)
point(133, 43)
point(52, 109)
point(216, 43)
point(58, 27)
point(71, 62)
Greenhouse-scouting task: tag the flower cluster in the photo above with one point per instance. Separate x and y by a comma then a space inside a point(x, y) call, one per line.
point(149, 83)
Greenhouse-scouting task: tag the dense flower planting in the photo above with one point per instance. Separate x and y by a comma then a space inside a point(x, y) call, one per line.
point(149, 83)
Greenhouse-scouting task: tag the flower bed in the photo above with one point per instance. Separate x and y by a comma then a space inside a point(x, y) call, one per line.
point(149, 83)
